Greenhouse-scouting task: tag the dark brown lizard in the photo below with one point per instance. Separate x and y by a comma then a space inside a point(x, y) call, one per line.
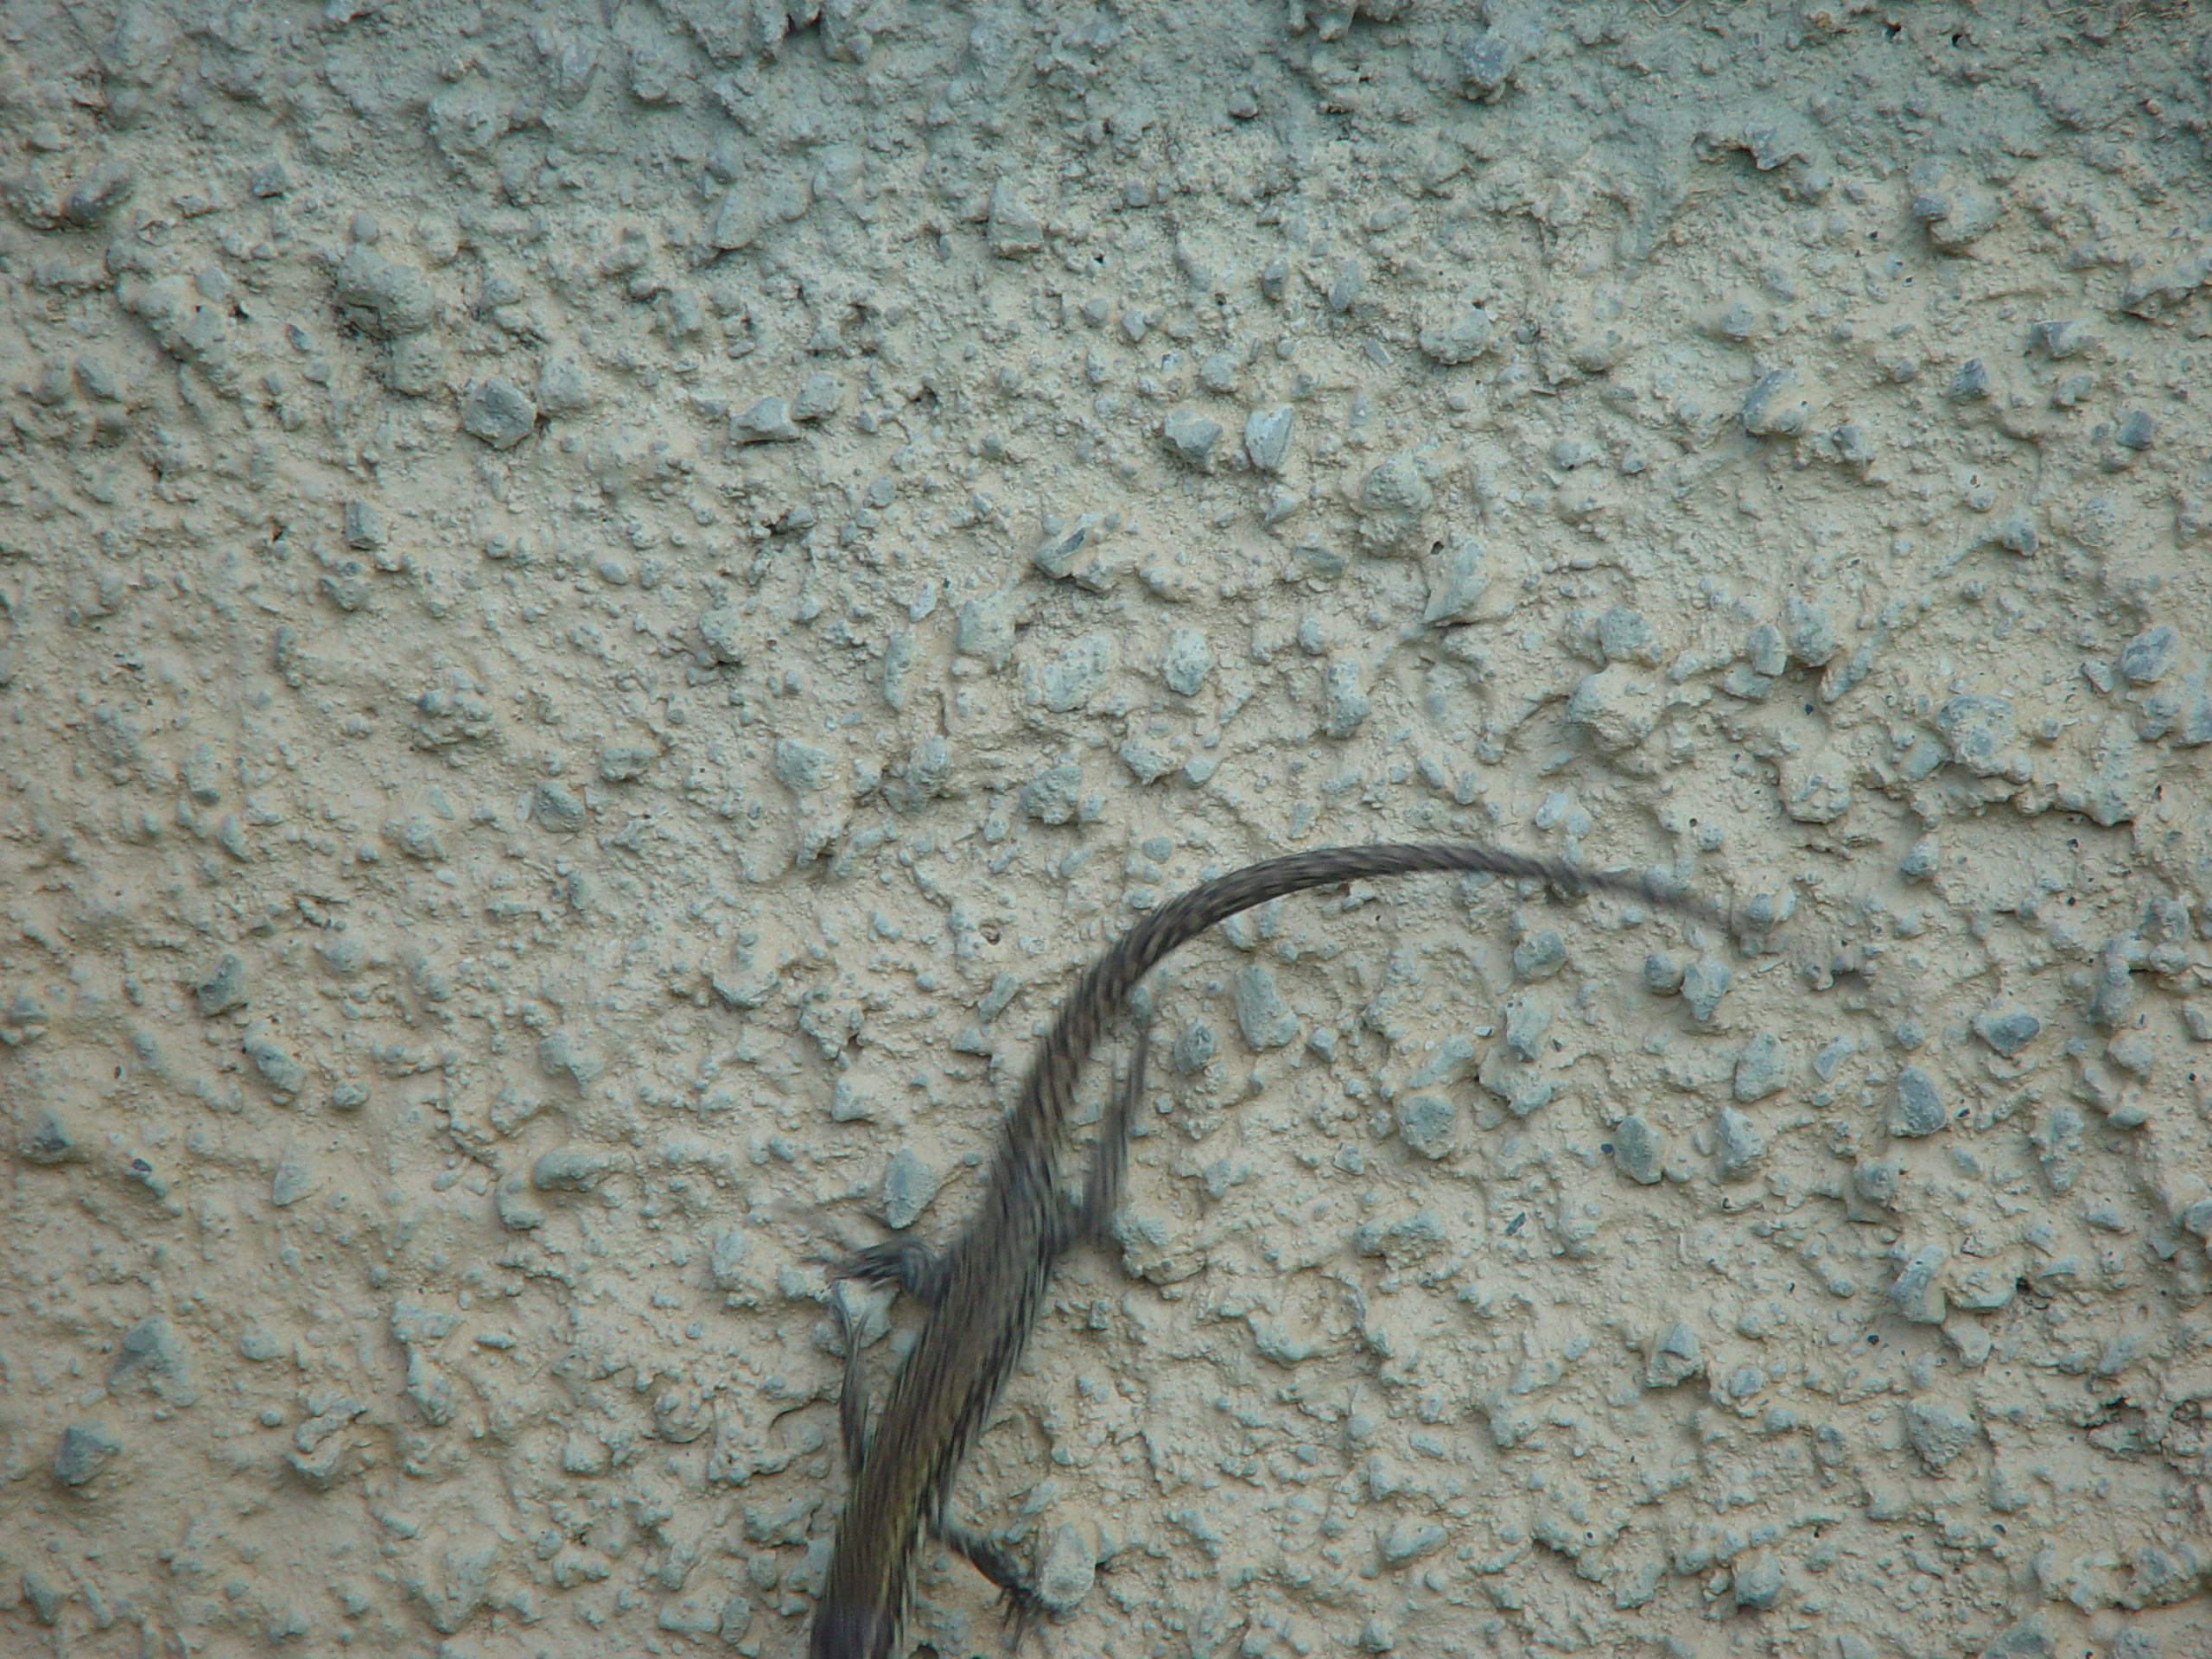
point(984, 1291)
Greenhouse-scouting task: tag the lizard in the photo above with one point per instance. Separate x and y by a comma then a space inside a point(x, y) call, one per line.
point(983, 1293)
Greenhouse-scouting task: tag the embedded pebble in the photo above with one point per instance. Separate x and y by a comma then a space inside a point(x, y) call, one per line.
point(908, 1185)
point(1262, 1016)
point(295, 1178)
point(1192, 437)
point(1462, 337)
point(570, 1169)
point(1739, 1145)
point(1051, 795)
point(1675, 1357)
point(1457, 580)
point(1427, 1123)
point(1915, 1292)
point(1638, 1150)
point(2148, 657)
point(499, 412)
point(1066, 1572)
point(1344, 705)
point(822, 395)
point(1184, 662)
point(1976, 726)
point(1539, 956)
point(48, 1142)
point(1394, 496)
point(766, 420)
point(2007, 1032)
point(1266, 437)
point(554, 809)
point(801, 767)
point(86, 1449)
point(1938, 1434)
point(1918, 1108)
point(1763, 1068)
point(223, 991)
point(1780, 405)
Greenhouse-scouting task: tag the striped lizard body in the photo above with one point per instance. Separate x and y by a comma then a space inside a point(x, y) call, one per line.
point(984, 1292)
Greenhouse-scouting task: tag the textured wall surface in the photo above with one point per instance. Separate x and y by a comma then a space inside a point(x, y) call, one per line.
point(601, 606)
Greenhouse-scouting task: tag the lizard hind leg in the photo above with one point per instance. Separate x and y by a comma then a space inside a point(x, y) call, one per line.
point(1092, 1218)
point(852, 1398)
point(906, 1262)
point(1017, 1592)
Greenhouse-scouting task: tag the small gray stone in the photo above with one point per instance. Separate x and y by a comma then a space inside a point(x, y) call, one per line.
point(1762, 1069)
point(87, 1448)
point(1877, 1181)
point(1737, 1145)
point(1766, 650)
point(48, 1141)
point(1638, 1151)
point(2136, 431)
point(2008, 1031)
point(278, 1067)
point(1624, 636)
point(1013, 228)
point(1461, 337)
point(1539, 956)
point(1938, 1434)
point(1976, 726)
point(801, 767)
point(1427, 1123)
point(821, 397)
point(2148, 657)
point(1194, 1047)
point(570, 1169)
point(554, 809)
point(1346, 287)
point(107, 188)
point(1410, 1540)
point(295, 1178)
point(499, 412)
point(1392, 498)
point(1674, 1359)
point(564, 385)
point(1068, 1570)
point(722, 627)
point(150, 1354)
point(1074, 676)
point(1780, 405)
point(1756, 1582)
point(362, 526)
point(1191, 437)
point(1345, 706)
point(1922, 860)
point(908, 1185)
point(1918, 1107)
point(1456, 581)
point(1266, 437)
point(1971, 383)
point(513, 1203)
point(1184, 662)
point(2061, 338)
point(623, 763)
point(1261, 1014)
point(1486, 62)
point(1917, 1295)
point(1705, 981)
point(1051, 797)
point(1527, 1020)
point(222, 990)
point(766, 420)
